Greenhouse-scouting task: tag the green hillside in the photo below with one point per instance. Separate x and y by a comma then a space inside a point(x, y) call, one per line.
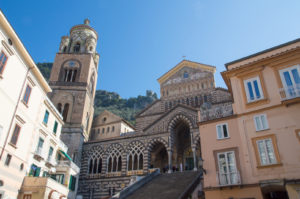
point(111, 101)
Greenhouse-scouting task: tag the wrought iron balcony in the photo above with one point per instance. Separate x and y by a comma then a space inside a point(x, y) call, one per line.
point(289, 92)
point(230, 178)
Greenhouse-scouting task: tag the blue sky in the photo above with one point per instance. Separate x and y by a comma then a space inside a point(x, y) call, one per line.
point(140, 40)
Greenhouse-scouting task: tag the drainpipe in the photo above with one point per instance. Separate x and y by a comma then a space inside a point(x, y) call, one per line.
point(16, 108)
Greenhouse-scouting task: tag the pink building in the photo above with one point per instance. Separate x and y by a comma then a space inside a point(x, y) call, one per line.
point(255, 152)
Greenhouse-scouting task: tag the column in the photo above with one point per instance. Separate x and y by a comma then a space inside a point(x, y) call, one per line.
point(195, 159)
point(170, 160)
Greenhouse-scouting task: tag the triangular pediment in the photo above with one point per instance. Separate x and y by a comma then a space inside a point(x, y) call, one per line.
point(106, 117)
point(198, 67)
point(161, 124)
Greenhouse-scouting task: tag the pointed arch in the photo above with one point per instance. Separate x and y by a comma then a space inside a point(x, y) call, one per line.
point(135, 156)
point(114, 158)
point(95, 160)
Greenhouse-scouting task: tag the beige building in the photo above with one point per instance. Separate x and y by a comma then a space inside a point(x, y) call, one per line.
point(51, 172)
point(108, 125)
point(30, 127)
point(22, 94)
point(254, 153)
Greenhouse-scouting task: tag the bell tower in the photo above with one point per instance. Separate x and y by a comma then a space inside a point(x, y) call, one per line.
point(73, 81)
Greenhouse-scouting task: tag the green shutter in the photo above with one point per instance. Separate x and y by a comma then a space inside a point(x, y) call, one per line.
point(37, 172)
point(55, 127)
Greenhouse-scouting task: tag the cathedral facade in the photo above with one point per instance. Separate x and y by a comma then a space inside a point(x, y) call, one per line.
point(166, 135)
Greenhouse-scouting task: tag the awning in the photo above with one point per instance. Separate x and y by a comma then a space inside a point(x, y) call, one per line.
point(67, 156)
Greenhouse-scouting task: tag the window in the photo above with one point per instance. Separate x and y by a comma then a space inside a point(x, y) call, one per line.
point(185, 75)
point(55, 127)
point(291, 81)
point(72, 183)
point(46, 117)
point(27, 94)
point(65, 112)
point(40, 146)
point(70, 75)
point(7, 161)
point(15, 135)
point(103, 130)
point(50, 153)
point(113, 128)
point(58, 178)
point(3, 60)
point(108, 129)
point(266, 151)
point(76, 48)
point(59, 107)
point(222, 131)
point(261, 122)
point(228, 173)
point(253, 89)
point(27, 196)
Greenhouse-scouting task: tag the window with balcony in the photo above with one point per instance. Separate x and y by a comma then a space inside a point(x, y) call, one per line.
point(222, 131)
point(228, 173)
point(46, 117)
point(3, 60)
point(15, 135)
point(261, 122)
point(27, 94)
point(55, 127)
point(290, 79)
point(266, 152)
point(253, 89)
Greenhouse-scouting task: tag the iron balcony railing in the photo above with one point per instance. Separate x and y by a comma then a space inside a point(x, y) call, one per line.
point(230, 178)
point(290, 92)
point(39, 152)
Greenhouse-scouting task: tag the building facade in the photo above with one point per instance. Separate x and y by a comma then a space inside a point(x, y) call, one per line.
point(108, 125)
point(30, 128)
point(254, 153)
point(73, 81)
point(166, 135)
point(21, 95)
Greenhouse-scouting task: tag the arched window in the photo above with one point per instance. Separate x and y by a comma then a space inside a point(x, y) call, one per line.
point(113, 128)
point(76, 48)
point(59, 107)
point(95, 160)
point(187, 101)
point(170, 105)
point(65, 49)
point(185, 75)
point(135, 157)
point(70, 75)
point(114, 159)
point(87, 121)
point(92, 84)
point(65, 112)
point(107, 129)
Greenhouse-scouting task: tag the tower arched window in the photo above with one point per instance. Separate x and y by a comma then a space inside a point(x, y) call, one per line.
point(65, 49)
point(70, 75)
point(59, 107)
point(92, 83)
point(65, 112)
point(135, 156)
point(76, 47)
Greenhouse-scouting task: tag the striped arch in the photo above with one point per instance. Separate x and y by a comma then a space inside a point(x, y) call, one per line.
point(196, 141)
point(154, 141)
point(180, 117)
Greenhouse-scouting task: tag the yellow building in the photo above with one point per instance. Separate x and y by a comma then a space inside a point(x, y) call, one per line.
point(254, 153)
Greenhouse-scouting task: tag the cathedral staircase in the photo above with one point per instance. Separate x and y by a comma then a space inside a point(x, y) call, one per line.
point(178, 185)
